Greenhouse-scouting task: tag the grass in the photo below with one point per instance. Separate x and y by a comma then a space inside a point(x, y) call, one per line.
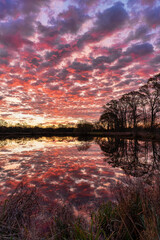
point(134, 216)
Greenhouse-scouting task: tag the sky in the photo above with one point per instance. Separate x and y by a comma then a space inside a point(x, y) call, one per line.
point(62, 60)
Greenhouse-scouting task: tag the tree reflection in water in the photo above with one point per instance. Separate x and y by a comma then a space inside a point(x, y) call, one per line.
point(136, 158)
point(73, 170)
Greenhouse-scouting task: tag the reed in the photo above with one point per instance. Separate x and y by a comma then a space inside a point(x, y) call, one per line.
point(135, 215)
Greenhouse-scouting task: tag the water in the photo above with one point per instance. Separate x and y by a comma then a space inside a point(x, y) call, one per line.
point(73, 171)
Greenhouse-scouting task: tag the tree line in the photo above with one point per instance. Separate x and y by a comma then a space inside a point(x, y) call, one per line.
point(136, 108)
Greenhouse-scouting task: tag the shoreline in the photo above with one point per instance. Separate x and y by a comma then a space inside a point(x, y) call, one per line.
point(140, 135)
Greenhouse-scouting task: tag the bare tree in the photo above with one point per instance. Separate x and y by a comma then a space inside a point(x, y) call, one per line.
point(133, 100)
point(110, 114)
point(151, 93)
point(133, 108)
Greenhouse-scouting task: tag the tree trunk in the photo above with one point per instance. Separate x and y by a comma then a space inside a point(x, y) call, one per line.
point(152, 118)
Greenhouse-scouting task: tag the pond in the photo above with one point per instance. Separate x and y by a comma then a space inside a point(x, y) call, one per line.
point(76, 171)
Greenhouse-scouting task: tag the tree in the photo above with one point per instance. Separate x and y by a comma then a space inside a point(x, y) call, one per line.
point(110, 115)
point(84, 127)
point(151, 93)
point(133, 108)
point(123, 105)
point(133, 100)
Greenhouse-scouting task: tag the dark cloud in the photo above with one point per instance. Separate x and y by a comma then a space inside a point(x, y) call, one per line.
point(92, 93)
point(61, 52)
point(139, 50)
point(35, 62)
point(75, 91)
point(4, 53)
point(86, 3)
point(53, 87)
point(46, 31)
point(37, 83)
point(155, 60)
point(31, 60)
point(124, 83)
point(140, 33)
point(148, 2)
point(131, 3)
point(122, 62)
point(152, 16)
point(107, 22)
point(4, 62)
point(157, 43)
point(63, 74)
point(80, 67)
point(14, 34)
point(81, 77)
point(71, 20)
point(8, 7)
point(112, 54)
point(100, 60)
point(17, 7)
point(49, 75)
point(31, 6)
point(68, 21)
point(1, 72)
point(112, 19)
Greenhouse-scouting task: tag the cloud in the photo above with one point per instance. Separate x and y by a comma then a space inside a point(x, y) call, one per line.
point(112, 54)
point(152, 16)
point(53, 87)
point(80, 67)
point(148, 2)
point(131, 3)
point(4, 62)
point(139, 50)
point(71, 20)
point(77, 56)
point(107, 23)
point(14, 34)
point(8, 8)
point(4, 53)
point(157, 43)
point(86, 3)
point(155, 60)
point(140, 33)
point(18, 7)
point(61, 51)
point(112, 19)
point(122, 62)
point(31, 6)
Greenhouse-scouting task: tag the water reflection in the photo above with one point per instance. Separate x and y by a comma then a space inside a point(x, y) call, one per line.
point(66, 169)
point(62, 169)
point(136, 158)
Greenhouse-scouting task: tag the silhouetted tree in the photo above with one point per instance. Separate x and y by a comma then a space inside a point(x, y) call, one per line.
point(151, 93)
point(123, 106)
point(113, 114)
point(133, 100)
point(84, 127)
point(132, 108)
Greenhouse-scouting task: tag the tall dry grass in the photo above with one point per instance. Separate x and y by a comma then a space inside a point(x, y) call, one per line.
point(134, 216)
